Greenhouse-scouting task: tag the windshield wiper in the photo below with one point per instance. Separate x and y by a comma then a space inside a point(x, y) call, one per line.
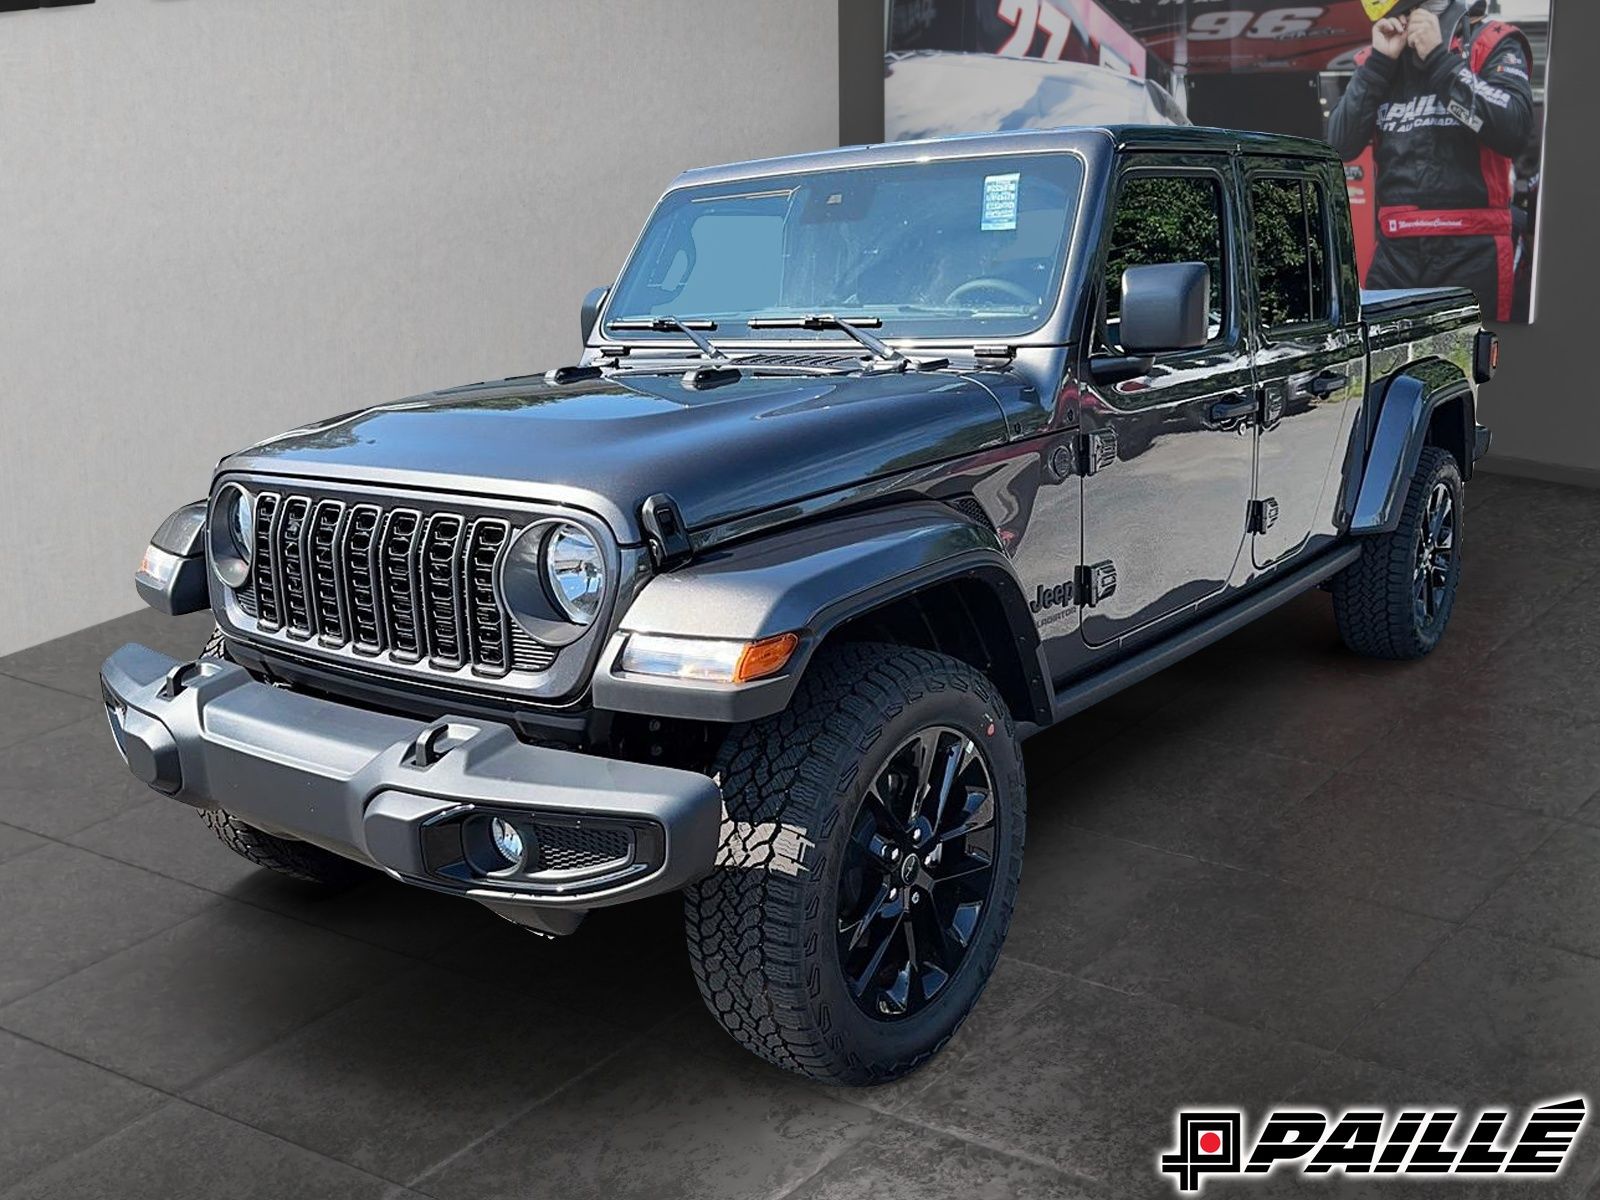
point(669, 324)
point(853, 326)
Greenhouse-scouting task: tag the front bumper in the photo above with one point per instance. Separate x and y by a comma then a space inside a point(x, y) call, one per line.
point(413, 798)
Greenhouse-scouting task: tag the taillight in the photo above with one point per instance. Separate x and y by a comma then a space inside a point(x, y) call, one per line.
point(1486, 357)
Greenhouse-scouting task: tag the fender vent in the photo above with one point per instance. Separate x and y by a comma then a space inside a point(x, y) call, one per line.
point(969, 507)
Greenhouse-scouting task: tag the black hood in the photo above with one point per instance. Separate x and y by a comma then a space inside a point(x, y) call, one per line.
point(607, 444)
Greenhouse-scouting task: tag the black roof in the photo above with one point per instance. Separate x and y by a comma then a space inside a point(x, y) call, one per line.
point(1074, 137)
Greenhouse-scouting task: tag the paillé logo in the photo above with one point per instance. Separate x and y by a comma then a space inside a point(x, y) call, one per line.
point(1374, 1141)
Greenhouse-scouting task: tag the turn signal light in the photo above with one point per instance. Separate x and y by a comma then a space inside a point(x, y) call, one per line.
point(766, 657)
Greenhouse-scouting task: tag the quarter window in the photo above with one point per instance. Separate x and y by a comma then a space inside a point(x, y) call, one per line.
point(1289, 232)
point(1166, 219)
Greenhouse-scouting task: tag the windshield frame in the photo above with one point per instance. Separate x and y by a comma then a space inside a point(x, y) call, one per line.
point(1050, 329)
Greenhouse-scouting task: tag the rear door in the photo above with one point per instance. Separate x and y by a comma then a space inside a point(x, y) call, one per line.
point(1169, 457)
point(1310, 359)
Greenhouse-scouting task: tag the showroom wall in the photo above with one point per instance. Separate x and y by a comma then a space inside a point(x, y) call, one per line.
point(224, 218)
point(1543, 407)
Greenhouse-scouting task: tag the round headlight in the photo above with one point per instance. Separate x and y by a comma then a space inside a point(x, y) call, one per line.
point(241, 521)
point(231, 533)
point(575, 571)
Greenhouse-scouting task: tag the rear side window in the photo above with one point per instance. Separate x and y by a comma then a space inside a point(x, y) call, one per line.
point(1289, 233)
point(1166, 219)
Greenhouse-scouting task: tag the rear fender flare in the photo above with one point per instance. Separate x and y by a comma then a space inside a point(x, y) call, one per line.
point(809, 580)
point(1405, 414)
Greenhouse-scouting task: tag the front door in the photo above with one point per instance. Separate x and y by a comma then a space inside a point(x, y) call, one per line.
point(1167, 488)
point(1312, 360)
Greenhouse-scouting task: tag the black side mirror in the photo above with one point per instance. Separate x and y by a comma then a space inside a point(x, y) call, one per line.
point(1165, 307)
point(590, 312)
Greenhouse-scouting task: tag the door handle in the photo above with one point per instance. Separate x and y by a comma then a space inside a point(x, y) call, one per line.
point(1326, 384)
point(1226, 413)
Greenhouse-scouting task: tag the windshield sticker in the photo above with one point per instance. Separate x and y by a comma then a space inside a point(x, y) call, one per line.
point(1000, 201)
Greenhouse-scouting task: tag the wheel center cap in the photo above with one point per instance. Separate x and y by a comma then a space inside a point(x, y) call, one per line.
point(908, 868)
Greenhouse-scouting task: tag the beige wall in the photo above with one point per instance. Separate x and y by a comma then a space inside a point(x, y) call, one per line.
point(220, 218)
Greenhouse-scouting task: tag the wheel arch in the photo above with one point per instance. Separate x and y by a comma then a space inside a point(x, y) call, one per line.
point(1430, 402)
point(918, 574)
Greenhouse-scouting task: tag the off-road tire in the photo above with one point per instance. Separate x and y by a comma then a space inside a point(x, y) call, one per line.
point(1374, 598)
point(763, 926)
point(297, 860)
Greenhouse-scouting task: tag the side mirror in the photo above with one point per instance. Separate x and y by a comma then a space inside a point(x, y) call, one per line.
point(1165, 307)
point(590, 312)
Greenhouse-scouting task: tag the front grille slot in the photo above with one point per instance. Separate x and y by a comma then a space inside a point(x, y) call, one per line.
point(327, 594)
point(440, 576)
point(486, 620)
point(358, 556)
point(263, 564)
point(399, 576)
point(418, 588)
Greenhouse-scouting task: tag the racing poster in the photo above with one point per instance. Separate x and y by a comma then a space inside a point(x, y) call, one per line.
point(1444, 167)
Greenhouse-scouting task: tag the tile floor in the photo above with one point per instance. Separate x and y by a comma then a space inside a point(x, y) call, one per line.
point(1293, 874)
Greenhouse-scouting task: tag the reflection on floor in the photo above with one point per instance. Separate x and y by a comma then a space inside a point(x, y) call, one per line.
point(1275, 872)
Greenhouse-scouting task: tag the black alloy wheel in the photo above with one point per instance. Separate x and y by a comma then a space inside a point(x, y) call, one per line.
point(917, 872)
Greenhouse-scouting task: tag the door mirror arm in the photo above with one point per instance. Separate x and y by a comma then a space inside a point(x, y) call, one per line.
point(1108, 369)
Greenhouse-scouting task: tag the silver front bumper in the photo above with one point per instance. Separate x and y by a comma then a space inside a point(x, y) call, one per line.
point(412, 798)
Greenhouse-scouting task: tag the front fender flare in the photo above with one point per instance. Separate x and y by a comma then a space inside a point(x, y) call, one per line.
point(807, 580)
point(1409, 401)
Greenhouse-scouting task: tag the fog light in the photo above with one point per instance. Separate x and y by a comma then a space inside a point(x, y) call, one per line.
point(507, 840)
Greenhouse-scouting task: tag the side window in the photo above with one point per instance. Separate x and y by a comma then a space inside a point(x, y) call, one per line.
point(1165, 219)
point(1289, 232)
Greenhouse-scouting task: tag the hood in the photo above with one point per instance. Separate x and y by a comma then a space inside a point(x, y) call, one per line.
point(607, 444)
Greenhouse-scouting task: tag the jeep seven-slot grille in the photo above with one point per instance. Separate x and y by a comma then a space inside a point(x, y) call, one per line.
point(414, 587)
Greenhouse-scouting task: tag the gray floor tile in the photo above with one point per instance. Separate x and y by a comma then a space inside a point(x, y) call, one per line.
point(180, 1152)
point(1494, 1015)
point(1560, 521)
point(1398, 845)
point(170, 838)
point(202, 995)
point(1554, 898)
point(1297, 962)
point(1062, 747)
point(662, 1124)
point(1321, 713)
point(62, 909)
point(1087, 1079)
point(1553, 666)
point(1079, 892)
point(397, 916)
point(27, 711)
point(72, 663)
point(52, 1105)
point(67, 779)
point(901, 1159)
point(14, 841)
point(1196, 797)
point(408, 1075)
point(1468, 741)
point(626, 965)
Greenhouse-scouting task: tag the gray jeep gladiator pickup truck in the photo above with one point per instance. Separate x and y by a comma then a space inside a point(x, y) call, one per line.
point(876, 461)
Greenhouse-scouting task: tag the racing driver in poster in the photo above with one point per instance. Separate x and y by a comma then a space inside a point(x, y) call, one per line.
point(1445, 99)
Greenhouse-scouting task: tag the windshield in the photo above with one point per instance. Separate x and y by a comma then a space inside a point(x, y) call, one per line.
point(957, 248)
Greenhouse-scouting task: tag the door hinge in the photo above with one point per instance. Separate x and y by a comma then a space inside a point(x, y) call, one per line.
point(1263, 515)
point(1097, 450)
point(1094, 582)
